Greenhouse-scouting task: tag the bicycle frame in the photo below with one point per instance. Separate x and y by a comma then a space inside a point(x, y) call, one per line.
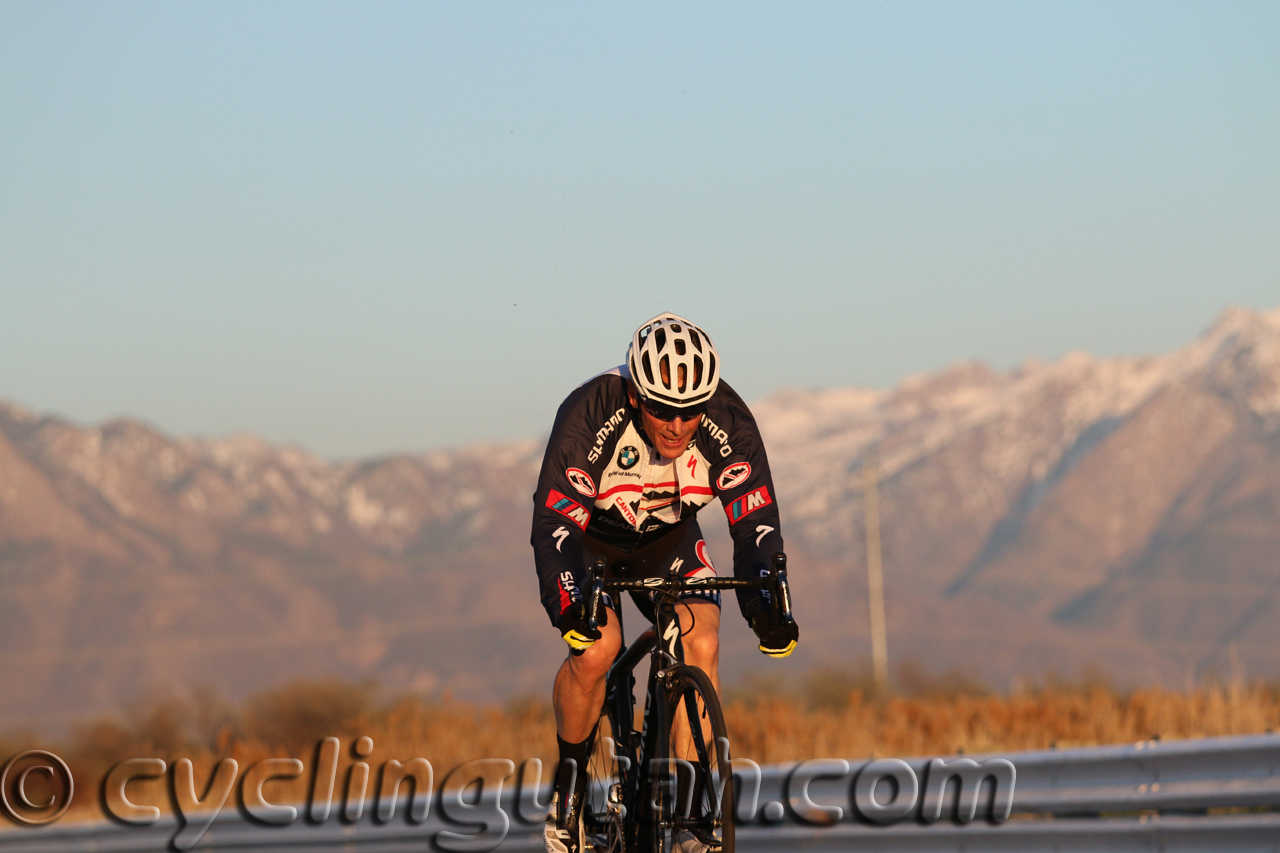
point(634, 750)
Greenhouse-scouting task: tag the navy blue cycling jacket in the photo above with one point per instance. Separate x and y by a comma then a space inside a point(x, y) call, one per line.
point(601, 476)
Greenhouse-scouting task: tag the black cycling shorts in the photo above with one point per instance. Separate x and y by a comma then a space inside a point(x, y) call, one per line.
point(681, 552)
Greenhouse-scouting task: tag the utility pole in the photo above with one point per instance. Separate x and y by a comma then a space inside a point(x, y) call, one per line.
point(875, 575)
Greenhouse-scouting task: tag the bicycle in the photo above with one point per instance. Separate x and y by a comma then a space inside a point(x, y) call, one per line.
point(634, 802)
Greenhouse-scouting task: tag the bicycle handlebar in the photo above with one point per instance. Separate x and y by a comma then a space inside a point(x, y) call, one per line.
point(774, 583)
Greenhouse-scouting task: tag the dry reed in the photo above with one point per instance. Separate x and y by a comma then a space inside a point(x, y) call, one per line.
point(834, 716)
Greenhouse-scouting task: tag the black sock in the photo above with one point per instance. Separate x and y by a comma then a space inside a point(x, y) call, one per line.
point(574, 758)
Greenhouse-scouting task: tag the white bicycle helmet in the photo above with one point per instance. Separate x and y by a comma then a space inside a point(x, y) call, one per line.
point(673, 362)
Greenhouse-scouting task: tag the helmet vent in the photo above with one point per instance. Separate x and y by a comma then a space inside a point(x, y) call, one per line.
point(679, 347)
point(664, 366)
point(681, 373)
point(648, 368)
point(660, 336)
point(697, 372)
point(695, 339)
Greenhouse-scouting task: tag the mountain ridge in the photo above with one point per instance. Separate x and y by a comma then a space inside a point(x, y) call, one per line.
point(1085, 510)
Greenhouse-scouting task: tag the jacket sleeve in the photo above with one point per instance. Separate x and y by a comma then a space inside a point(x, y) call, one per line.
point(745, 485)
point(563, 502)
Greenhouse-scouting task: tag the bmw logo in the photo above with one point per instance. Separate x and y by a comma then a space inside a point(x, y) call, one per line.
point(628, 457)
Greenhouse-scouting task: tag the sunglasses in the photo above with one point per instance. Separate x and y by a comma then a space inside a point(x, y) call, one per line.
point(670, 413)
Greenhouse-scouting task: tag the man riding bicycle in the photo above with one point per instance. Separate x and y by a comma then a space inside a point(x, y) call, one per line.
point(634, 454)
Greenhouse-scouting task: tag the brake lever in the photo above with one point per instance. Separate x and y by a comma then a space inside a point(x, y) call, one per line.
point(784, 599)
point(595, 577)
point(780, 600)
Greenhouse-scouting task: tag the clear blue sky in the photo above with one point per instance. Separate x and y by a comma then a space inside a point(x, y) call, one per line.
point(371, 227)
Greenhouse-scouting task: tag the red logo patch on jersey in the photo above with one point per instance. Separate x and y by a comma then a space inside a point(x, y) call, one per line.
point(569, 508)
point(581, 481)
point(748, 503)
point(732, 476)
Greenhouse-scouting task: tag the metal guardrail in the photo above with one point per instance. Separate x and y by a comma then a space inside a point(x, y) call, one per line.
point(1208, 794)
point(1149, 776)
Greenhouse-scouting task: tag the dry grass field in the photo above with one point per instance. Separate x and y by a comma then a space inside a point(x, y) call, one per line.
point(832, 714)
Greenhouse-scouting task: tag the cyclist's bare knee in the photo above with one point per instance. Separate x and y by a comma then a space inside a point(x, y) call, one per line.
point(701, 639)
point(702, 649)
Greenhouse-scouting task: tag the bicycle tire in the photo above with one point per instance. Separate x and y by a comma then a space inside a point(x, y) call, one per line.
point(606, 825)
point(690, 694)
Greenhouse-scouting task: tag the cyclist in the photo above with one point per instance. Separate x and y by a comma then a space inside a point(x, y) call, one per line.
point(634, 454)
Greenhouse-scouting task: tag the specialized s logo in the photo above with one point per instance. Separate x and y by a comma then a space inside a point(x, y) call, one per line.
point(671, 636)
point(569, 508)
point(628, 457)
point(581, 482)
point(734, 475)
point(748, 503)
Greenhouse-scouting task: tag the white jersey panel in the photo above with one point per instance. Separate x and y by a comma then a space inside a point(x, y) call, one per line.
point(639, 483)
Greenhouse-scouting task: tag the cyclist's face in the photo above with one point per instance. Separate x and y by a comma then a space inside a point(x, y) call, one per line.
point(672, 437)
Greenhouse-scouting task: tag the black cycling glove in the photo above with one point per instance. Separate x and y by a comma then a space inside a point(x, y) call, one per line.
point(574, 630)
point(776, 641)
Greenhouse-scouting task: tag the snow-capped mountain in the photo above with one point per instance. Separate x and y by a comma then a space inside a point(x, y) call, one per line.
point(1123, 512)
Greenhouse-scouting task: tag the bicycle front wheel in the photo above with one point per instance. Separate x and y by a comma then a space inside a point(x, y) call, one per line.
point(604, 809)
point(613, 771)
point(691, 780)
